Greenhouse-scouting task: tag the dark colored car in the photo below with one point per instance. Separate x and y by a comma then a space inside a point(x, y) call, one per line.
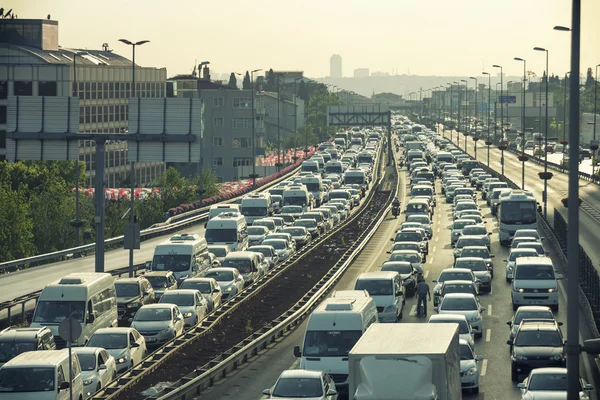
point(537, 344)
point(132, 293)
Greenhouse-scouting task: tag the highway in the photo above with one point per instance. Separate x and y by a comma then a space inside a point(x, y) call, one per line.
point(589, 228)
point(249, 381)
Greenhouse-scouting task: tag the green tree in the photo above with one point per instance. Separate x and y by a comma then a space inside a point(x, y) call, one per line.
point(271, 81)
point(246, 84)
point(232, 81)
point(589, 79)
point(303, 91)
point(16, 224)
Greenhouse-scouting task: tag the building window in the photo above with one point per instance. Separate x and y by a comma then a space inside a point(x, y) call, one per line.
point(47, 88)
point(218, 102)
point(3, 89)
point(241, 103)
point(94, 92)
point(2, 114)
point(242, 142)
point(81, 115)
point(241, 123)
point(217, 141)
point(94, 114)
point(88, 88)
point(88, 114)
point(218, 122)
point(23, 88)
point(242, 161)
point(2, 139)
point(217, 161)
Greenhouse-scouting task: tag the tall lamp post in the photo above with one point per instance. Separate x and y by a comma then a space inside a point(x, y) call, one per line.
point(200, 189)
point(451, 109)
point(489, 102)
point(545, 176)
point(501, 102)
point(523, 157)
point(458, 107)
point(296, 118)
point(77, 223)
point(254, 176)
point(466, 127)
point(476, 115)
point(132, 218)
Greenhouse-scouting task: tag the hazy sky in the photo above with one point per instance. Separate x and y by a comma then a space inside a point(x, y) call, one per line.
point(425, 37)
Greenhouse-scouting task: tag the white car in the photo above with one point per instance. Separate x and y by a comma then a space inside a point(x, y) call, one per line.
point(208, 287)
point(219, 250)
point(191, 304)
point(256, 234)
point(303, 384)
point(229, 279)
point(158, 323)
point(283, 248)
point(98, 368)
point(551, 383)
point(511, 261)
point(469, 370)
point(126, 345)
point(268, 252)
point(465, 304)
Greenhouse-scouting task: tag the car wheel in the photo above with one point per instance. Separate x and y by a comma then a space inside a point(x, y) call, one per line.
point(475, 390)
point(508, 280)
point(514, 375)
point(98, 387)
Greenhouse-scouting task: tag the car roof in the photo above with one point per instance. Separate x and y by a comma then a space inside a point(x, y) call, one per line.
point(20, 333)
point(377, 275)
point(158, 273)
point(86, 350)
point(158, 305)
point(470, 259)
point(447, 317)
point(459, 296)
point(533, 308)
point(121, 330)
point(187, 292)
point(456, 270)
point(458, 282)
point(222, 269)
point(134, 279)
point(537, 325)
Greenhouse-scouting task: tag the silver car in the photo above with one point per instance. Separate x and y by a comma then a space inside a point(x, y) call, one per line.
point(457, 227)
point(464, 304)
point(451, 274)
point(230, 280)
point(256, 234)
point(268, 252)
point(192, 305)
point(478, 230)
point(511, 261)
point(480, 270)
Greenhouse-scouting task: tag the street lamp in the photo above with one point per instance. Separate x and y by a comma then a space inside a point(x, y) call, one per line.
point(501, 102)
point(200, 189)
point(458, 129)
point(546, 176)
point(476, 114)
point(451, 109)
point(523, 157)
point(466, 128)
point(296, 117)
point(254, 176)
point(132, 163)
point(487, 141)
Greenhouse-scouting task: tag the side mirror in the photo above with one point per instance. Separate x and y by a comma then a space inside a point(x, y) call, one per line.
point(482, 309)
point(388, 252)
point(205, 225)
point(505, 260)
point(492, 256)
point(521, 386)
point(489, 233)
point(134, 345)
point(560, 323)
point(297, 352)
point(473, 332)
point(436, 309)
point(559, 276)
point(216, 290)
point(102, 367)
point(148, 264)
point(391, 239)
point(267, 392)
point(479, 358)
point(587, 387)
point(90, 319)
point(333, 392)
point(63, 386)
point(510, 342)
point(509, 323)
point(177, 319)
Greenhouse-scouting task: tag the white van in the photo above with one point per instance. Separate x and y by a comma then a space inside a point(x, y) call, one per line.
point(89, 297)
point(535, 283)
point(218, 209)
point(385, 287)
point(229, 229)
point(355, 176)
point(310, 166)
point(297, 195)
point(333, 329)
point(41, 375)
point(256, 206)
point(314, 185)
point(186, 255)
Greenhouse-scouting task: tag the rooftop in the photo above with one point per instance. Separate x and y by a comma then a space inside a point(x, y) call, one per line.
point(65, 56)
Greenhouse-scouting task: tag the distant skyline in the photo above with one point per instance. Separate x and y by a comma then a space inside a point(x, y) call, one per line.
point(428, 38)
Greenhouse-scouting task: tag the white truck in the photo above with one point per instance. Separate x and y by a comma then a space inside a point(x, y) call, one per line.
point(406, 362)
point(256, 206)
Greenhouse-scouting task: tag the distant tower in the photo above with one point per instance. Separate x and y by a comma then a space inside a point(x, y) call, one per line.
point(335, 66)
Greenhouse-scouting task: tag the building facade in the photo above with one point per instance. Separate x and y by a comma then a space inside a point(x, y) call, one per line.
point(361, 73)
point(33, 64)
point(335, 66)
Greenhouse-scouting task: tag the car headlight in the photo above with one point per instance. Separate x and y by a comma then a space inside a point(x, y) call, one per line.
point(556, 357)
point(472, 371)
point(521, 290)
point(551, 290)
point(390, 308)
point(475, 318)
point(229, 289)
point(521, 358)
point(121, 360)
point(166, 331)
point(184, 277)
point(88, 381)
point(135, 304)
point(187, 315)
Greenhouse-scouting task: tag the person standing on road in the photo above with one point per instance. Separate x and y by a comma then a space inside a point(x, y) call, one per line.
point(422, 293)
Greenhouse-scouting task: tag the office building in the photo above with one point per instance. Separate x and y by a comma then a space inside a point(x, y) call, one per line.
point(33, 64)
point(335, 66)
point(361, 73)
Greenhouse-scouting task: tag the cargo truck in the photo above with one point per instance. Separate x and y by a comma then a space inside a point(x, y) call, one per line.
point(406, 362)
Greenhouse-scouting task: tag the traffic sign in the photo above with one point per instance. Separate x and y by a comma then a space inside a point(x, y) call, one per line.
point(508, 99)
point(69, 330)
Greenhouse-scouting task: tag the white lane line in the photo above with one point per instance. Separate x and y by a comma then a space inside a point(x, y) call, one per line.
point(488, 335)
point(431, 260)
point(434, 249)
point(295, 364)
point(426, 274)
point(413, 310)
point(483, 367)
point(438, 230)
point(437, 238)
point(489, 310)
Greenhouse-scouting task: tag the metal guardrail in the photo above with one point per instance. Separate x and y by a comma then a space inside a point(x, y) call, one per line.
point(157, 358)
point(176, 222)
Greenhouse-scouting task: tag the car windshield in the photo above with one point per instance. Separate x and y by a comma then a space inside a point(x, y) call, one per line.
point(32, 379)
point(158, 282)
point(465, 206)
point(220, 276)
point(548, 382)
point(171, 262)
point(466, 353)
point(463, 328)
point(306, 223)
point(9, 349)
point(249, 211)
point(87, 361)
point(538, 248)
point(422, 219)
point(277, 244)
point(418, 208)
point(462, 242)
point(482, 253)
point(538, 338)
point(265, 251)
point(266, 224)
point(458, 304)
point(410, 257)
point(422, 192)
point(526, 233)
point(474, 230)
point(375, 287)
point(461, 224)
point(219, 251)
point(401, 268)
point(127, 289)
point(287, 218)
point(406, 246)
point(543, 314)
point(220, 235)
point(513, 212)
point(153, 314)
point(455, 276)
point(330, 343)
point(535, 272)
point(179, 299)
point(244, 266)
point(108, 341)
point(295, 231)
point(291, 209)
point(408, 237)
point(298, 388)
point(473, 265)
point(458, 288)
point(54, 312)
point(201, 286)
point(256, 230)
point(517, 254)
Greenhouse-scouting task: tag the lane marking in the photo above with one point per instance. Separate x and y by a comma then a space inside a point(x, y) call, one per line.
point(434, 249)
point(483, 367)
point(295, 364)
point(431, 260)
point(489, 309)
point(413, 310)
point(437, 238)
point(438, 230)
point(488, 335)
point(426, 274)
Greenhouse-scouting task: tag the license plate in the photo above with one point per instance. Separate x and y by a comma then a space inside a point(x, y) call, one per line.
point(536, 302)
point(150, 340)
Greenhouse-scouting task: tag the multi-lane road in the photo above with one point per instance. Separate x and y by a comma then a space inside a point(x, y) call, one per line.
point(249, 381)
